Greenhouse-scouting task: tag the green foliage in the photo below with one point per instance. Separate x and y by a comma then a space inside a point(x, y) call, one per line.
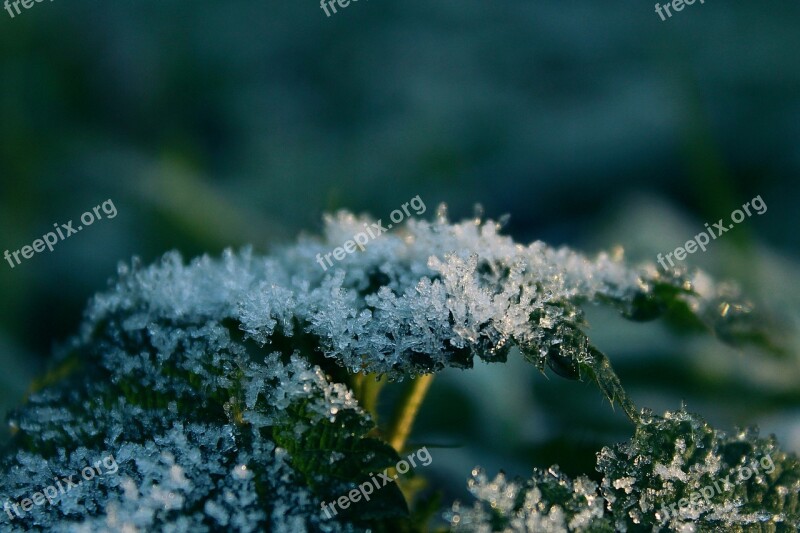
point(676, 473)
point(261, 386)
point(729, 483)
point(334, 455)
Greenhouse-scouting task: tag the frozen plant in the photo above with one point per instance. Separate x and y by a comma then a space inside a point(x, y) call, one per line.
point(238, 393)
point(676, 474)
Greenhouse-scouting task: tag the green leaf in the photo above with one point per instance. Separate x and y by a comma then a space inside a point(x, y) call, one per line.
point(334, 455)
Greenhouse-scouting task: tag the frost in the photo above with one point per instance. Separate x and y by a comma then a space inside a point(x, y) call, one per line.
point(549, 501)
point(727, 481)
point(413, 301)
point(706, 488)
point(174, 476)
point(214, 385)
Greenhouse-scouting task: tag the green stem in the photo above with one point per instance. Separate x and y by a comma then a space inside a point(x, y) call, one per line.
point(366, 388)
point(407, 411)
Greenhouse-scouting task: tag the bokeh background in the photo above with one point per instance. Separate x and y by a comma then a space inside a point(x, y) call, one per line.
point(592, 124)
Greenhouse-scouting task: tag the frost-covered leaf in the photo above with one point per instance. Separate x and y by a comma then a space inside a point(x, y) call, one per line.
point(676, 474)
point(334, 454)
point(734, 482)
point(223, 386)
point(548, 501)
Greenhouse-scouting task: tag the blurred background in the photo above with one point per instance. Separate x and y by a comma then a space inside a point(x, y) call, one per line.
point(592, 124)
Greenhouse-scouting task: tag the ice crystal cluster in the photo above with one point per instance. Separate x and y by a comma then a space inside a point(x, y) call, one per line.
point(676, 474)
point(222, 386)
point(549, 501)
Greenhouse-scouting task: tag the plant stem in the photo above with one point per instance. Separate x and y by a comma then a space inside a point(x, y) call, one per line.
point(366, 388)
point(407, 411)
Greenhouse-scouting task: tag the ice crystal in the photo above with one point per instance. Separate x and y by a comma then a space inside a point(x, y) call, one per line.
point(219, 385)
point(548, 501)
point(676, 474)
point(680, 473)
point(413, 301)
